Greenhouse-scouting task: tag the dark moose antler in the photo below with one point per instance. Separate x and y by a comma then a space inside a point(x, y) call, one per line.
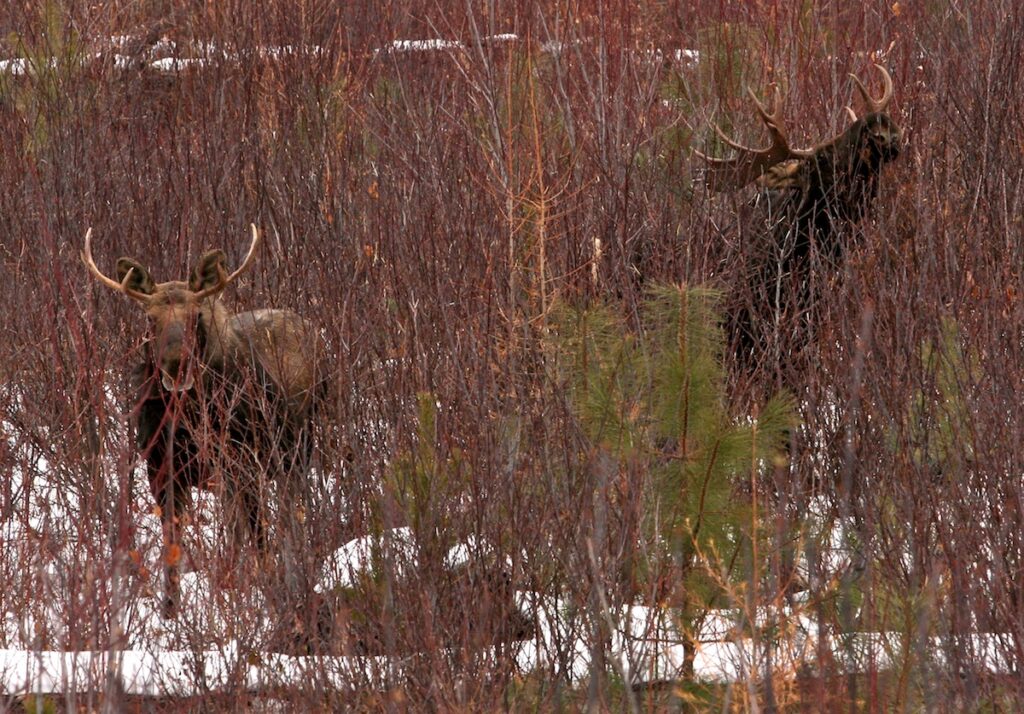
point(753, 164)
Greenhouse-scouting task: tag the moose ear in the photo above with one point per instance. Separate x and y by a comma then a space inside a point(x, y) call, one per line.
point(140, 280)
point(209, 271)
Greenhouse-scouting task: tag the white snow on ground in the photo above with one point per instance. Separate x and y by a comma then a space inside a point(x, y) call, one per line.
point(430, 45)
point(463, 552)
point(219, 648)
point(422, 45)
point(395, 548)
point(645, 645)
point(17, 66)
point(364, 555)
point(177, 64)
point(183, 673)
point(159, 658)
point(167, 56)
point(177, 674)
point(685, 56)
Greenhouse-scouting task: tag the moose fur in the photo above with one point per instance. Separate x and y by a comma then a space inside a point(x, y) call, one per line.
point(219, 399)
point(807, 203)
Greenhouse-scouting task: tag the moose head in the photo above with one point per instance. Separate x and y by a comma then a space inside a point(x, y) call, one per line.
point(869, 142)
point(181, 313)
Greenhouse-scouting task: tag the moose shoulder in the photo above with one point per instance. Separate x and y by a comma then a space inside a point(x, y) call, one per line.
point(807, 202)
point(219, 397)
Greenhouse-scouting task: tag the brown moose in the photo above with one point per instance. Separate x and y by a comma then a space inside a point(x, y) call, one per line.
point(220, 398)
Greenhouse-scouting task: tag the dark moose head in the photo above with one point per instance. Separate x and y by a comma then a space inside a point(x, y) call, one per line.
point(860, 150)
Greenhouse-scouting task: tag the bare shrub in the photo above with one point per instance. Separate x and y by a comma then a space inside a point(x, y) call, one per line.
point(428, 205)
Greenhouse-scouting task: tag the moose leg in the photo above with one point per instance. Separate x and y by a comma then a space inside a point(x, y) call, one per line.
point(172, 495)
point(159, 467)
point(243, 500)
point(306, 613)
point(172, 551)
point(173, 501)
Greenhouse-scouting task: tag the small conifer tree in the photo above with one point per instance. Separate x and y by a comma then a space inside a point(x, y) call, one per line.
point(655, 393)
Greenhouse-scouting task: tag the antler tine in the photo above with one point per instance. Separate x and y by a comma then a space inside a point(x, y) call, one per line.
point(729, 142)
point(249, 257)
point(876, 106)
point(773, 117)
point(223, 280)
point(121, 287)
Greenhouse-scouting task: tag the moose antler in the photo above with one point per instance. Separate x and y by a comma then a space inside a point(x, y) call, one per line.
point(224, 280)
point(875, 106)
point(121, 287)
point(726, 174)
point(751, 164)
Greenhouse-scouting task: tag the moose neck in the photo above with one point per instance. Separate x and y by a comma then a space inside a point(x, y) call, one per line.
point(218, 333)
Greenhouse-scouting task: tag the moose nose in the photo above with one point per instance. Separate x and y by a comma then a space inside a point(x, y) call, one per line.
point(173, 378)
point(175, 374)
point(172, 384)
